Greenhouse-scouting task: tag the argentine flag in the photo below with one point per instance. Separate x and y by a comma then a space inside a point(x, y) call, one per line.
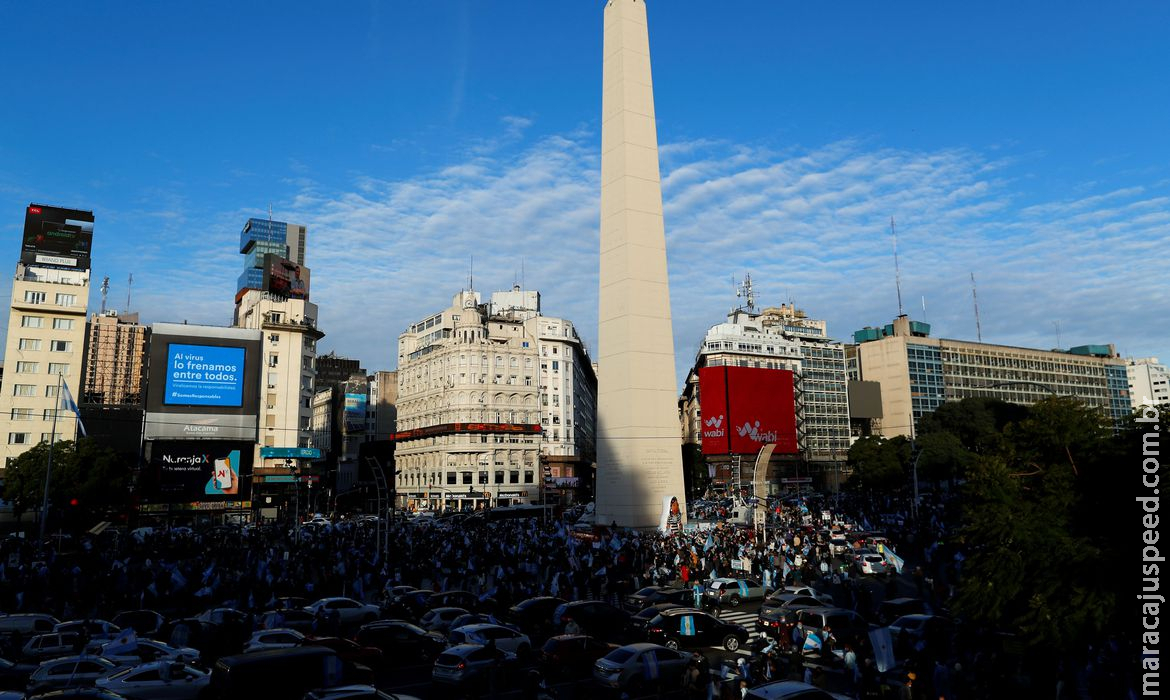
point(68, 404)
point(686, 626)
point(812, 642)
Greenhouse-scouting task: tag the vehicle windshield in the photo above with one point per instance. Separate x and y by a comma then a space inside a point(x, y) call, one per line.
point(619, 656)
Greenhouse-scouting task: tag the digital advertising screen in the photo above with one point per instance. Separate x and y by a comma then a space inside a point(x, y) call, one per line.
point(183, 471)
point(56, 236)
point(204, 375)
point(745, 408)
point(355, 413)
point(285, 278)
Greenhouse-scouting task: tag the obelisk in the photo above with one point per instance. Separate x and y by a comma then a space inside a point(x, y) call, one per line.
point(639, 458)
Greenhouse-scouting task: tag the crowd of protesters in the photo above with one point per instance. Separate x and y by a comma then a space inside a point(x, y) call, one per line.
point(182, 571)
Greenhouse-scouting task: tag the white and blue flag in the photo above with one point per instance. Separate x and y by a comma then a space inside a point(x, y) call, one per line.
point(69, 404)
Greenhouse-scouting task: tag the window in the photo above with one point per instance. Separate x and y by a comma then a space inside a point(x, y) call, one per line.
point(61, 324)
point(19, 438)
point(451, 478)
point(272, 380)
point(513, 477)
point(47, 414)
point(58, 368)
point(49, 437)
point(273, 360)
point(22, 414)
point(29, 344)
point(24, 390)
point(528, 477)
point(66, 299)
point(33, 322)
point(50, 391)
point(499, 477)
point(466, 477)
point(34, 297)
point(556, 365)
point(61, 345)
point(27, 367)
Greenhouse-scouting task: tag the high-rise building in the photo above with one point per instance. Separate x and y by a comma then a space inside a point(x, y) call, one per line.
point(495, 404)
point(273, 297)
point(46, 327)
point(639, 465)
point(918, 373)
point(115, 360)
point(776, 338)
point(383, 405)
point(1149, 382)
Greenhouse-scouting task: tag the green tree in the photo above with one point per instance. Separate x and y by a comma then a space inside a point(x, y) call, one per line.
point(878, 464)
point(92, 474)
point(942, 457)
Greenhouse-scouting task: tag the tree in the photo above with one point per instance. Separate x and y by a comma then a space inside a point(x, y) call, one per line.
point(878, 464)
point(942, 457)
point(92, 474)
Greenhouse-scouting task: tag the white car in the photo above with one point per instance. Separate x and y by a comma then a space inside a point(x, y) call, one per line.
point(274, 639)
point(354, 692)
point(158, 680)
point(505, 638)
point(351, 611)
point(872, 564)
point(147, 650)
point(68, 672)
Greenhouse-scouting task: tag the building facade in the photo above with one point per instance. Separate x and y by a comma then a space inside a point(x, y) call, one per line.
point(115, 360)
point(918, 373)
point(488, 395)
point(45, 348)
point(1149, 382)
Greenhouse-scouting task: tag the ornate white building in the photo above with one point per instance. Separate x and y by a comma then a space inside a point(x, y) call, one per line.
point(493, 399)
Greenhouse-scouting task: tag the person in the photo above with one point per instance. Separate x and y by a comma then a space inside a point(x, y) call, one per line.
point(571, 627)
point(798, 637)
point(907, 691)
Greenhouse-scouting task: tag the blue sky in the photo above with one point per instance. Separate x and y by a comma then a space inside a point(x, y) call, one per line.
point(1024, 142)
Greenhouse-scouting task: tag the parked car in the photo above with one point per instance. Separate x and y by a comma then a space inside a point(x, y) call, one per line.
point(688, 628)
point(571, 656)
point(440, 619)
point(157, 680)
point(733, 591)
point(273, 639)
point(473, 666)
point(147, 650)
point(791, 690)
point(594, 618)
point(401, 642)
point(68, 672)
point(891, 610)
point(625, 668)
point(351, 612)
point(51, 646)
point(534, 615)
point(504, 638)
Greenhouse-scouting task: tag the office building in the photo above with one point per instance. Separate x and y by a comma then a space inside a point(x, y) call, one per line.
point(1149, 382)
point(918, 373)
point(491, 398)
point(115, 360)
point(45, 348)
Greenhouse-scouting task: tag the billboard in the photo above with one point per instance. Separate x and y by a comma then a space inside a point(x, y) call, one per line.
point(184, 471)
point(56, 236)
point(355, 413)
point(285, 278)
point(204, 375)
point(202, 382)
point(745, 408)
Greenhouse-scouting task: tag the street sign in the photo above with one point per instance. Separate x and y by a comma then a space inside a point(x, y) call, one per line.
point(290, 453)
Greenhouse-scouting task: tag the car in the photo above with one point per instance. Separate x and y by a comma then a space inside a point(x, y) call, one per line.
point(68, 672)
point(210, 639)
point(846, 625)
point(891, 610)
point(534, 615)
point(825, 598)
point(354, 692)
point(72, 694)
point(733, 591)
point(872, 565)
point(595, 618)
point(688, 628)
point(227, 617)
point(90, 629)
point(299, 620)
point(14, 675)
point(791, 690)
point(401, 642)
point(473, 666)
point(839, 544)
point(282, 673)
point(145, 651)
point(788, 600)
point(640, 619)
point(652, 595)
point(502, 637)
point(440, 619)
point(161, 680)
point(52, 645)
point(935, 630)
point(273, 639)
point(409, 605)
point(145, 623)
point(777, 624)
point(571, 656)
point(351, 611)
point(453, 599)
point(636, 668)
point(349, 650)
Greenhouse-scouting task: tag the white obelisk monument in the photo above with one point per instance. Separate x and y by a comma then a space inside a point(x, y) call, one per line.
point(639, 458)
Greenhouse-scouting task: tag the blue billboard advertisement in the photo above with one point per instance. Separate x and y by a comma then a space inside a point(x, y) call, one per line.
point(355, 413)
point(204, 375)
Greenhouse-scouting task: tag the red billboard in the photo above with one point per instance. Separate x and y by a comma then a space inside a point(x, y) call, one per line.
point(745, 408)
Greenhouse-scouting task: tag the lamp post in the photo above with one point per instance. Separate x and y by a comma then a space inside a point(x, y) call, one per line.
point(292, 468)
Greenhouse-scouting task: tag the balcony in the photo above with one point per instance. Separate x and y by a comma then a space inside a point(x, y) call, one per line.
point(274, 321)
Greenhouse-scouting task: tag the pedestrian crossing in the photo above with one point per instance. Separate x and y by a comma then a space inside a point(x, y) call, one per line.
point(747, 618)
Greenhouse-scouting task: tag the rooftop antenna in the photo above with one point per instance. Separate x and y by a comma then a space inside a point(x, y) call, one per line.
point(745, 291)
point(522, 273)
point(897, 270)
point(129, 284)
point(923, 307)
point(471, 275)
point(975, 300)
point(1057, 324)
point(105, 291)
